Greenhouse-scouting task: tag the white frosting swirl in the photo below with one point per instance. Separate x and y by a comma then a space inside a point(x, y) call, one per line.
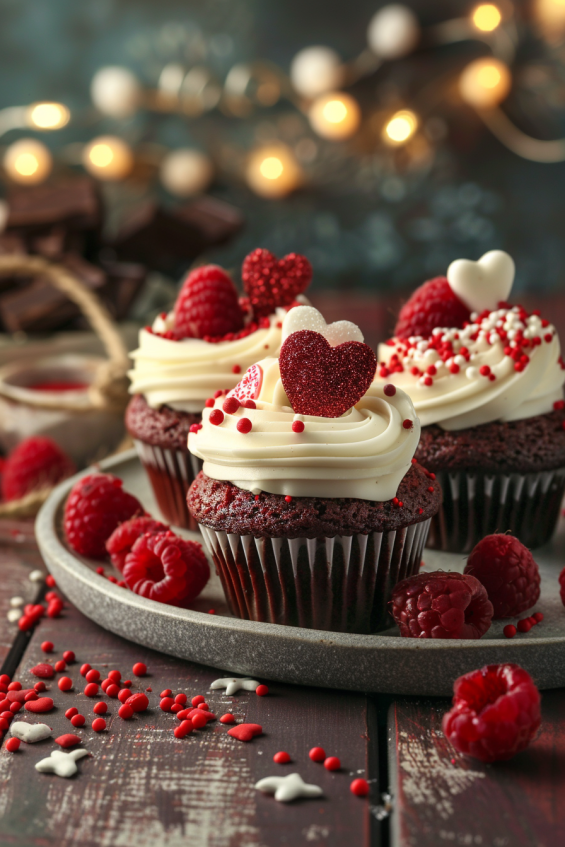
point(363, 454)
point(184, 374)
point(505, 366)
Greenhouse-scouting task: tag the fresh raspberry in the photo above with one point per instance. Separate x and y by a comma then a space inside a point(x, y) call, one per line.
point(508, 572)
point(432, 305)
point(126, 534)
point(166, 568)
point(207, 305)
point(562, 586)
point(94, 508)
point(441, 605)
point(35, 463)
point(495, 714)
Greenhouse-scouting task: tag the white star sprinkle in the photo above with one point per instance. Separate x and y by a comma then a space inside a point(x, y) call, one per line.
point(234, 684)
point(287, 788)
point(61, 764)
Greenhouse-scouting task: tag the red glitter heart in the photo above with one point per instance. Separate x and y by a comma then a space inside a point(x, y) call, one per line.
point(271, 282)
point(323, 380)
point(245, 731)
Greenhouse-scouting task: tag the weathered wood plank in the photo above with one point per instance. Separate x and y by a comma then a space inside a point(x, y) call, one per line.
point(145, 788)
point(442, 797)
point(15, 566)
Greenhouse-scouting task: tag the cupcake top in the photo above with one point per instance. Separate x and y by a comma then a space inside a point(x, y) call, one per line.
point(501, 363)
point(311, 424)
point(212, 336)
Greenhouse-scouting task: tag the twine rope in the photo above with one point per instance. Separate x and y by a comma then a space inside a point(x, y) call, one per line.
point(110, 386)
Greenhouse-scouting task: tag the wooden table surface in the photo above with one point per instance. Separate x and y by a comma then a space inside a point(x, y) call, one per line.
point(141, 787)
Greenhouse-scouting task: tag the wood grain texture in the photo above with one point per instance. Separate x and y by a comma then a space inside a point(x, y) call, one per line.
point(144, 788)
point(442, 797)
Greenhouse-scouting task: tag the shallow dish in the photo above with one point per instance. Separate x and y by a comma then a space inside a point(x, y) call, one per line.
point(372, 663)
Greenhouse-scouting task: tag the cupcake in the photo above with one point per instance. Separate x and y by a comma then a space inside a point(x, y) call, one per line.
point(486, 379)
point(196, 351)
point(309, 500)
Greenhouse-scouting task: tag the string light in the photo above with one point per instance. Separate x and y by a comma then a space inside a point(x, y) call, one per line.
point(400, 128)
point(108, 158)
point(186, 172)
point(273, 171)
point(48, 115)
point(485, 83)
point(551, 15)
point(393, 31)
point(487, 17)
point(115, 91)
point(335, 115)
point(315, 70)
point(28, 161)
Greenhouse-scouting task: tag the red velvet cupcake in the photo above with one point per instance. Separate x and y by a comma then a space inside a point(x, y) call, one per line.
point(309, 500)
point(489, 394)
point(195, 352)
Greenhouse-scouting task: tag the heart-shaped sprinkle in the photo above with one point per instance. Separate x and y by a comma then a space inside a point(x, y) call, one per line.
point(68, 740)
point(306, 317)
point(245, 731)
point(250, 386)
point(484, 284)
point(30, 732)
point(270, 282)
point(322, 380)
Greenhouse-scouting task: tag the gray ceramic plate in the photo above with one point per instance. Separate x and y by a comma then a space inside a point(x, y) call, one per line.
point(376, 663)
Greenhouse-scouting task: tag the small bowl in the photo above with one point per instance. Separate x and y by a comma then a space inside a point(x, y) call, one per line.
point(50, 397)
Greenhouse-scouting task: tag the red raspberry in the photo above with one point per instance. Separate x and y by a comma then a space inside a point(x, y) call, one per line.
point(94, 508)
point(124, 537)
point(495, 714)
point(441, 605)
point(432, 305)
point(166, 568)
point(207, 305)
point(562, 586)
point(508, 572)
point(35, 463)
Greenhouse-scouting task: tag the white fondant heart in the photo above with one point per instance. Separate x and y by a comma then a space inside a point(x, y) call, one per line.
point(30, 732)
point(306, 317)
point(483, 284)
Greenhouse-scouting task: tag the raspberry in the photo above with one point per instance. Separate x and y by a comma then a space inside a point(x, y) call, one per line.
point(124, 537)
point(441, 605)
point(207, 305)
point(35, 463)
point(432, 305)
point(508, 572)
point(94, 508)
point(495, 714)
point(166, 568)
point(562, 586)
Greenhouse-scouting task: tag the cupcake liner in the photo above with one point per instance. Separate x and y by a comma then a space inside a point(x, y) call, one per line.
point(341, 584)
point(171, 473)
point(475, 505)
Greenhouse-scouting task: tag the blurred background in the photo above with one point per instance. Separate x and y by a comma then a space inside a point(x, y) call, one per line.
point(382, 141)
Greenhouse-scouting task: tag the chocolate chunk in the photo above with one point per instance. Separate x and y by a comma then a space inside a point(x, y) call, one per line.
point(73, 203)
point(40, 307)
point(163, 238)
point(125, 281)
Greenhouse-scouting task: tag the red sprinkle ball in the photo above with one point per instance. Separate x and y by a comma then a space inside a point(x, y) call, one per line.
point(359, 787)
point(98, 724)
point(298, 426)
point(139, 669)
point(244, 425)
point(317, 754)
point(227, 718)
point(281, 758)
point(261, 690)
point(332, 763)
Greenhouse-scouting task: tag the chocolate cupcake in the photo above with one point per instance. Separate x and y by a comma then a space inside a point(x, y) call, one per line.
point(309, 500)
point(196, 351)
point(489, 395)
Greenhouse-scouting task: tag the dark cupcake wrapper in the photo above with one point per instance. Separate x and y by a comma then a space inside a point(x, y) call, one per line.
point(340, 584)
point(171, 473)
point(476, 504)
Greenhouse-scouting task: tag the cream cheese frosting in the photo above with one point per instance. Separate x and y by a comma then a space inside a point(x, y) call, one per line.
point(364, 454)
point(505, 365)
point(184, 374)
